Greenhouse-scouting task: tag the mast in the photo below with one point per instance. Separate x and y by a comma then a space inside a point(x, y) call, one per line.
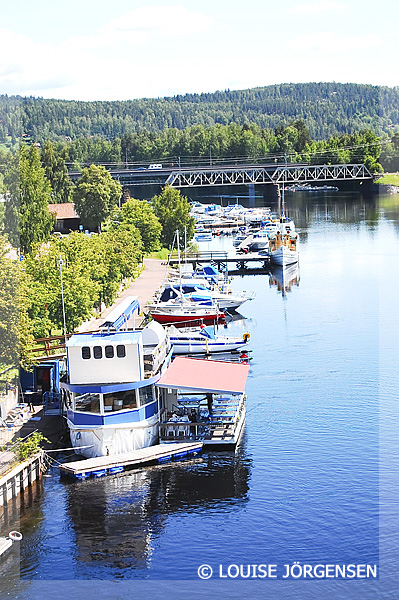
point(178, 258)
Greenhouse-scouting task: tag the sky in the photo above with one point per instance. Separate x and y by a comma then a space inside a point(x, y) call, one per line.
point(103, 50)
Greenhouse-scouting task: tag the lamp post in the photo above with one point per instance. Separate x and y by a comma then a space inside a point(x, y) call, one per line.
point(62, 300)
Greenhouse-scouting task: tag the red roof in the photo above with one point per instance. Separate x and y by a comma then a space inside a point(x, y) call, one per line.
point(205, 375)
point(64, 210)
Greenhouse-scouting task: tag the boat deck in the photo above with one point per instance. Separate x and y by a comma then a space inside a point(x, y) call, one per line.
point(109, 465)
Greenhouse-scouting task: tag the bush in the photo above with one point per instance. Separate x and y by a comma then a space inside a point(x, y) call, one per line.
point(30, 446)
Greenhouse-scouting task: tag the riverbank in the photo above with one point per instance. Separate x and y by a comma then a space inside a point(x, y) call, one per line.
point(388, 183)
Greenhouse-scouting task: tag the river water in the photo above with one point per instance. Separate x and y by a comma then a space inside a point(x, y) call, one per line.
point(315, 478)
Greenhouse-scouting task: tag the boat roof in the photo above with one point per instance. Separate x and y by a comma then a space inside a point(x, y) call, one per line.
point(122, 313)
point(102, 339)
point(204, 375)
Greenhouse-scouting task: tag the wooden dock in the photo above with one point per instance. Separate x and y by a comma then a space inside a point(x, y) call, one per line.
point(109, 465)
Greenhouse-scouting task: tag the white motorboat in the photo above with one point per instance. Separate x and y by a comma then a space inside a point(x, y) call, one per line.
point(203, 341)
point(200, 294)
point(284, 248)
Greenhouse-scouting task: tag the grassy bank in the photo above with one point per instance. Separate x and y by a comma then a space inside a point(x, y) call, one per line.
point(389, 179)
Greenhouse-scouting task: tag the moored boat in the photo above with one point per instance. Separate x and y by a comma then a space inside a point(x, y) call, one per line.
point(204, 341)
point(112, 403)
point(284, 248)
point(186, 313)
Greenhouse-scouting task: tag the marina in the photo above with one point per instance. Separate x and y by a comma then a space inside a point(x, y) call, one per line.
point(301, 479)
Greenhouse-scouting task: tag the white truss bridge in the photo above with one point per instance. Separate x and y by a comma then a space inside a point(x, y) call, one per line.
point(246, 175)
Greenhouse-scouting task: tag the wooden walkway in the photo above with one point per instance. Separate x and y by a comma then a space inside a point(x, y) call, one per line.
point(109, 465)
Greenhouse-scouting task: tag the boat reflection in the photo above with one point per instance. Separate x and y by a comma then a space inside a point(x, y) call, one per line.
point(284, 278)
point(117, 518)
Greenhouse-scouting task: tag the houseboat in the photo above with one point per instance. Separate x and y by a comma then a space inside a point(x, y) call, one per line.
point(112, 402)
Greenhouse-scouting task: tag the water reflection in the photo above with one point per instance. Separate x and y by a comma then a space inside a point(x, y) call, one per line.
point(117, 519)
point(285, 278)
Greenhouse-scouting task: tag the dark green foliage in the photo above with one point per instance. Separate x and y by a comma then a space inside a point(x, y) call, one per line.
point(95, 196)
point(140, 214)
point(27, 218)
point(327, 109)
point(173, 211)
point(57, 174)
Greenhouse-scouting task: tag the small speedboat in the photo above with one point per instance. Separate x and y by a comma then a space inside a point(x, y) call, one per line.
point(203, 341)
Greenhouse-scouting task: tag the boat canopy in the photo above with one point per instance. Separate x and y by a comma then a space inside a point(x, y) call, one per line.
point(205, 376)
point(122, 313)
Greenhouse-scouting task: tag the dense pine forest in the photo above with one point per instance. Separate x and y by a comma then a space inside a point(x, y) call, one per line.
point(328, 109)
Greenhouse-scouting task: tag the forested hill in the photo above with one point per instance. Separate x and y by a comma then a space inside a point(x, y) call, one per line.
point(327, 109)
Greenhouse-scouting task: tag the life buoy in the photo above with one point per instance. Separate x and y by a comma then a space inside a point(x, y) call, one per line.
point(246, 337)
point(15, 536)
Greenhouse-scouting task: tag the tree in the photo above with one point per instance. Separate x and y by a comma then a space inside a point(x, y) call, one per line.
point(15, 327)
point(27, 218)
point(56, 173)
point(95, 195)
point(140, 214)
point(173, 211)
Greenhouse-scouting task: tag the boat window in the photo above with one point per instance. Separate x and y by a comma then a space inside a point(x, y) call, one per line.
point(86, 352)
point(146, 395)
point(120, 401)
point(109, 352)
point(97, 352)
point(120, 351)
point(88, 403)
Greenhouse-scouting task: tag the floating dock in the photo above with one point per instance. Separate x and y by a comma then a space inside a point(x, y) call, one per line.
point(109, 465)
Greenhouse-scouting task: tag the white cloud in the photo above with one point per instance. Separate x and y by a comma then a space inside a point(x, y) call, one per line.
point(333, 43)
point(159, 20)
point(317, 7)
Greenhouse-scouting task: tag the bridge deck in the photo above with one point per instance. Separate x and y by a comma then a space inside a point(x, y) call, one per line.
point(240, 175)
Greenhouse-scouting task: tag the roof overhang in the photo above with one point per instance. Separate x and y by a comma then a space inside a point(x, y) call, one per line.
point(204, 375)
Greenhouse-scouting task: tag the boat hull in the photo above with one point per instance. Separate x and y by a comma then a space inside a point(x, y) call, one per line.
point(196, 346)
point(283, 256)
point(121, 432)
point(191, 318)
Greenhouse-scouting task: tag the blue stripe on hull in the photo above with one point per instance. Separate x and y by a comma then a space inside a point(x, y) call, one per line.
point(116, 418)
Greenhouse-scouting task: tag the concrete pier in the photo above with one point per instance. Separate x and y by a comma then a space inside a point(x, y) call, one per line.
point(20, 477)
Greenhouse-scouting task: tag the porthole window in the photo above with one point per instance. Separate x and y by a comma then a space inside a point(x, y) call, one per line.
point(120, 351)
point(97, 352)
point(86, 354)
point(109, 352)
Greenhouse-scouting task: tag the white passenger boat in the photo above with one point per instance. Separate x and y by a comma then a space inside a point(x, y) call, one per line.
point(284, 248)
point(204, 340)
point(112, 402)
point(203, 400)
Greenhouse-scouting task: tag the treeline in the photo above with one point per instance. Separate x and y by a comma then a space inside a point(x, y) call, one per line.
point(328, 109)
point(200, 145)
